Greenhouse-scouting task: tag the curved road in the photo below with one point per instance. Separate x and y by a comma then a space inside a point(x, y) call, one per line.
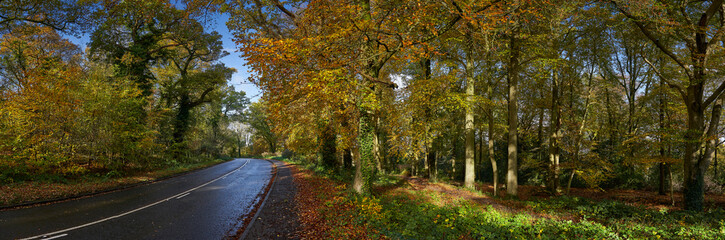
point(205, 204)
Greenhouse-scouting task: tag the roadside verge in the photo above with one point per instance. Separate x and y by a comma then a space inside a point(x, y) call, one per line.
point(34, 193)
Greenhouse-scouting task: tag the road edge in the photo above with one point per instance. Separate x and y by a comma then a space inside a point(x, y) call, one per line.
point(258, 209)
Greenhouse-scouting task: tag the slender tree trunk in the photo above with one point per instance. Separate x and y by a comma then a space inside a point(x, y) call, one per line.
point(672, 188)
point(431, 160)
point(426, 170)
point(513, 78)
point(715, 162)
point(491, 156)
point(662, 179)
point(479, 152)
point(470, 172)
point(662, 176)
point(540, 155)
point(555, 132)
point(580, 134)
point(430, 157)
point(571, 177)
point(347, 152)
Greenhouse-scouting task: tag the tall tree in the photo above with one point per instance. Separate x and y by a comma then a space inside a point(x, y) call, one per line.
point(193, 76)
point(699, 28)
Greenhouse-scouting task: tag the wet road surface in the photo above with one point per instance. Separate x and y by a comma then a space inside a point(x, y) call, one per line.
point(206, 204)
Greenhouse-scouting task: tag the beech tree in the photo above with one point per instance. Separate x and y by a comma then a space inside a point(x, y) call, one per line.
point(698, 28)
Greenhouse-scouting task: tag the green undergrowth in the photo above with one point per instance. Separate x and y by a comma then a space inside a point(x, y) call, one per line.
point(411, 216)
point(636, 221)
point(397, 212)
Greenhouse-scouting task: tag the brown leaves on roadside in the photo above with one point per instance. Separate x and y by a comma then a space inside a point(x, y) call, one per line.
point(326, 212)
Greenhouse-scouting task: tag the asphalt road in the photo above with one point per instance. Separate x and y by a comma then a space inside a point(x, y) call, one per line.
point(206, 204)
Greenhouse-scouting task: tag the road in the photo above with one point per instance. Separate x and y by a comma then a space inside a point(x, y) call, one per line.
point(206, 204)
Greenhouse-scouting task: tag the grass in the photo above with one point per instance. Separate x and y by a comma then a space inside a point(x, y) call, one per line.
point(57, 188)
point(399, 211)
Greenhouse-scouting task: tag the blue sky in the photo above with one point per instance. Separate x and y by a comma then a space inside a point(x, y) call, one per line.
point(239, 79)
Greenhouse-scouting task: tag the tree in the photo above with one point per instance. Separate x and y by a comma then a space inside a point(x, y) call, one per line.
point(694, 26)
point(40, 71)
point(192, 76)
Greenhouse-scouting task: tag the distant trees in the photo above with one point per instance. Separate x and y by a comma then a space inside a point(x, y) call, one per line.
point(258, 120)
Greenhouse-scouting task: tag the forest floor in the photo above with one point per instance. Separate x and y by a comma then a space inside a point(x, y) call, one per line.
point(32, 192)
point(414, 208)
point(641, 198)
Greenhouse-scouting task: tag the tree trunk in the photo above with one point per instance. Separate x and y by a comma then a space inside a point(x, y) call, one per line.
point(272, 146)
point(555, 131)
point(347, 159)
point(714, 164)
point(662, 180)
point(693, 182)
point(377, 151)
point(431, 161)
point(365, 159)
point(430, 157)
point(426, 169)
point(182, 119)
point(580, 134)
point(662, 175)
point(571, 177)
point(470, 172)
point(491, 156)
point(513, 78)
point(540, 155)
point(328, 146)
point(672, 188)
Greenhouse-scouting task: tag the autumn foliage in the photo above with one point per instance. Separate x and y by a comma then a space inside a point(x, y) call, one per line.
point(147, 93)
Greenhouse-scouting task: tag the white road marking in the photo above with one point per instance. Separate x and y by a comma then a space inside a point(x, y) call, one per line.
point(179, 197)
point(129, 212)
point(54, 237)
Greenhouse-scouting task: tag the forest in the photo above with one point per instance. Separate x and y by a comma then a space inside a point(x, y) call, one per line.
point(595, 94)
point(604, 94)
